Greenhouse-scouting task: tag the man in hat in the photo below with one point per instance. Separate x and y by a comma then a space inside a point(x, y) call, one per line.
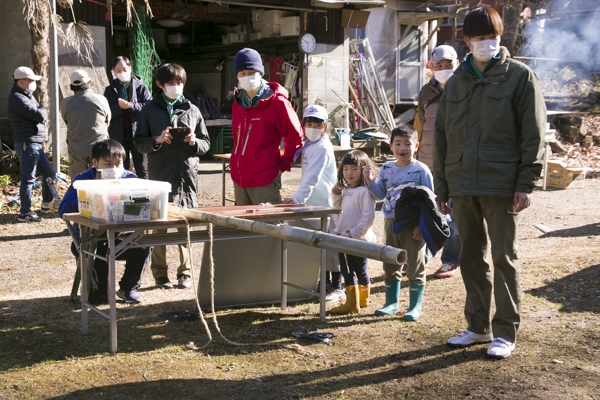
point(87, 116)
point(28, 121)
point(262, 117)
point(443, 62)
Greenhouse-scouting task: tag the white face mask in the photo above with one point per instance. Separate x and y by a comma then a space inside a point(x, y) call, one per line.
point(112, 173)
point(124, 76)
point(173, 91)
point(443, 75)
point(312, 134)
point(32, 86)
point(250, 83)
point(484, 50)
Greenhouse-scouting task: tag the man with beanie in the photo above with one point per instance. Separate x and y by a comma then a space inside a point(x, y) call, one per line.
point(261, 117)
point(28, 121)
point(87, 116)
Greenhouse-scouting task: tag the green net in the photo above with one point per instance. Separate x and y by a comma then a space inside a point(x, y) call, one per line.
point(144, 57)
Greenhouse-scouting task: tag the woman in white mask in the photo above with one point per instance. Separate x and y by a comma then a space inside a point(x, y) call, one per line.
point(126, 95)
point(261, 117)
point(489, 135)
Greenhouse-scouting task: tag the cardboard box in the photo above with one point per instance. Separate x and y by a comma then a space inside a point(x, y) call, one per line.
point(122, 200)
point(354, 18)
point(257, 26)
point(290, 26)
point(255, 15)
point(270, 30)
point(233, 37)
point(255, 35)
point(274, 16)
point(237, 28)
point(559, 175)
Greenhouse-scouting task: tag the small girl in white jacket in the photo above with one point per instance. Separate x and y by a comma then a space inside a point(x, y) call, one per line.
point(356, 221)
point(318, 178)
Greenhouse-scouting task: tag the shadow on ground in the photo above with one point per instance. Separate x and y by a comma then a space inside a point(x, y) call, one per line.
point(578, 292)
point(585, 230)
point(377, 370)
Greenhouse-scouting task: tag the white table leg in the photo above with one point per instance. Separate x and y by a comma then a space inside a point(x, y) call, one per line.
point(284, 276)
point(84, 266)
point(322, 285)
point(110, 255)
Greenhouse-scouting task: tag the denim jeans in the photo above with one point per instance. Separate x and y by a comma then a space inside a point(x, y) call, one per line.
point(33, 159)
point(451, 249)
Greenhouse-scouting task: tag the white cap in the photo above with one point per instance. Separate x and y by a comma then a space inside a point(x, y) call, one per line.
point(78, 77)
point(316, 112)
point(443, 52)
point(25, 73)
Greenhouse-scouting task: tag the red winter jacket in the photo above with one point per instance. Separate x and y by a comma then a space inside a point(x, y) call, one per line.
point(256, 159)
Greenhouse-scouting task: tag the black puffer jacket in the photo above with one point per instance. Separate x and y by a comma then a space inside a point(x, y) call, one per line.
point(26, 117)
point(178, 167)
point(140, 95)
point(418, 202)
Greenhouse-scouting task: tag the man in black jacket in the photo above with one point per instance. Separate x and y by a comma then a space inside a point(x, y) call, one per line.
point(28, 121)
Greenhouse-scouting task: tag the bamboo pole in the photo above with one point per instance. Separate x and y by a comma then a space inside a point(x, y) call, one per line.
point(341, 244)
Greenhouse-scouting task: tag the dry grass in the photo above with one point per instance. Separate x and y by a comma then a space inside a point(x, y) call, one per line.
point(43, 354)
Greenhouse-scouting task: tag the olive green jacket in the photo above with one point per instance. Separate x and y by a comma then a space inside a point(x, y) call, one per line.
point(489, 131)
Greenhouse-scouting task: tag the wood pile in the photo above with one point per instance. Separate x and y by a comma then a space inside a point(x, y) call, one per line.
point(578, 142)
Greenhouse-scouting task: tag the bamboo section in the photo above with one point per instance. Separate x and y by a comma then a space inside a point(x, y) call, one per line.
point(374, 251)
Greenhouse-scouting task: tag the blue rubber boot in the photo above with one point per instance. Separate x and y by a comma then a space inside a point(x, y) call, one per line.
point(392, 291)
point(415, 302)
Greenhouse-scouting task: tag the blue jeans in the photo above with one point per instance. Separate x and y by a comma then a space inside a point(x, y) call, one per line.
point(33, 159)
point(452, 246)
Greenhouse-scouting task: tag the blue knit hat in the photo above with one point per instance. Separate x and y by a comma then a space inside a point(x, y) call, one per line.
point(248, 59)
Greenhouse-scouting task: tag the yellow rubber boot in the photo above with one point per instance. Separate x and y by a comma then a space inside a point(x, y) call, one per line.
point(365, 292)
point(351, 306)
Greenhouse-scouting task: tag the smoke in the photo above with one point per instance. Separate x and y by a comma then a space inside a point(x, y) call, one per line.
point(568, 33)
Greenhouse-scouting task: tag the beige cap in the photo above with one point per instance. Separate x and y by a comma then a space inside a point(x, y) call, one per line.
point(78, 77)
point(25, 73)
point(443, 52)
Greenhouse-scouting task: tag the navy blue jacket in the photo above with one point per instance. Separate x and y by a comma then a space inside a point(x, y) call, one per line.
point(418, 202)
point(26, 117)
point(140, 95)
point(69, 203)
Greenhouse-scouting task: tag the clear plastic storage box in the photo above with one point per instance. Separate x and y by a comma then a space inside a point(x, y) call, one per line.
point(123, 200)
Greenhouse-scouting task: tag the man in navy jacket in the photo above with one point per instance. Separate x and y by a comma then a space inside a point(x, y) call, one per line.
point(28, 120)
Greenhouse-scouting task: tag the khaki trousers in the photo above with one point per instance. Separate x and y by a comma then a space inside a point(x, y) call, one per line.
point(476, 218)
point(79, 164)
point(261, 194)
point(415, 253)
point(159, 264)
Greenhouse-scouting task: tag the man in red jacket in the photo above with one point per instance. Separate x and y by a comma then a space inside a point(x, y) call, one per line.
point(261, 117)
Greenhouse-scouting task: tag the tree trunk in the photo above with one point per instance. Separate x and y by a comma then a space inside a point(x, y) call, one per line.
point(40, 53)
point(512, 21)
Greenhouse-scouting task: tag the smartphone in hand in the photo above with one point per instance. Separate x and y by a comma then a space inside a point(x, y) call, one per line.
point(178, 134)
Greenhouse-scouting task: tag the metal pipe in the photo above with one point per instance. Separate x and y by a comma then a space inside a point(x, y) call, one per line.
point(238, 3)
point(374, 251)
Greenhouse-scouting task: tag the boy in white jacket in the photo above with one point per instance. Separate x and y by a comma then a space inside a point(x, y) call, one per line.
point(319, 175)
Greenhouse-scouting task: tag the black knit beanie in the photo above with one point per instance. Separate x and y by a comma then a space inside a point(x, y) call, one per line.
point(248, 59)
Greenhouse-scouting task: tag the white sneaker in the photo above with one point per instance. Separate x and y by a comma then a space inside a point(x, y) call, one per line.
point(467, 338)
point(500, 348)
point(335, 295)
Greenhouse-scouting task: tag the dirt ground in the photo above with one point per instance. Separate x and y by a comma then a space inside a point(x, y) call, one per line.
point(44, 355)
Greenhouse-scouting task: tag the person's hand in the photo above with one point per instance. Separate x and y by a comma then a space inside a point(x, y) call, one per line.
point(336, 190)
point(347, 234)
point(442, 207)
point(417, 233)
point(289, 200)
point(165, 137)
point(124, 104)
point(367, 176)
point(190, 138)
point(521, 201)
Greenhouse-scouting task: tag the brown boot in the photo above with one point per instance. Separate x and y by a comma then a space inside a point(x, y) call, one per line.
point(365, 292)
point(351, 306)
